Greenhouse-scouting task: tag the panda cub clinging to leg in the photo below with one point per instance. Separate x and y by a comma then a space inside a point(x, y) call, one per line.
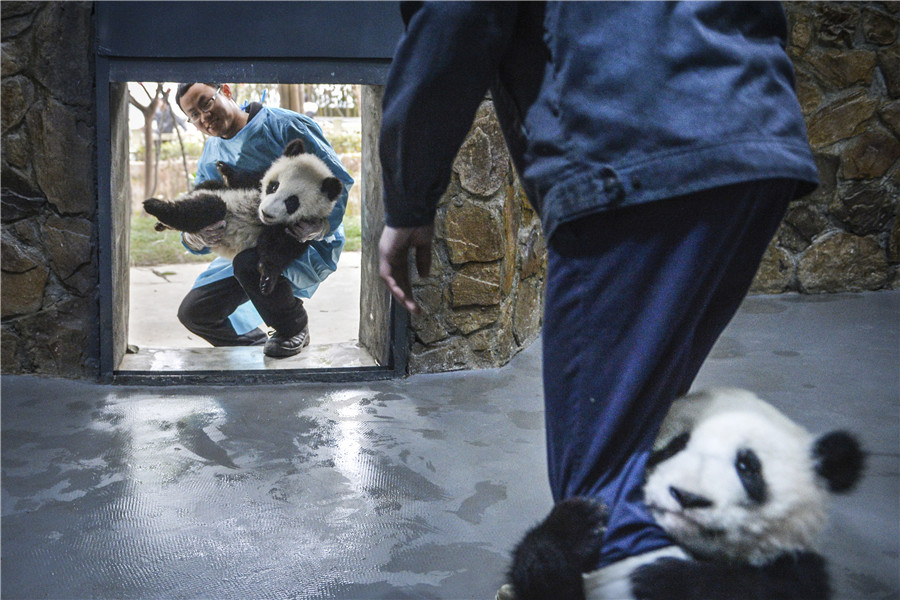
point(297, 187)
point(739, 486)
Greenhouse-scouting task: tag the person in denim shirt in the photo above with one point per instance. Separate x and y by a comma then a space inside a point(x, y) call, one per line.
point(225, 306)
point(660, 143)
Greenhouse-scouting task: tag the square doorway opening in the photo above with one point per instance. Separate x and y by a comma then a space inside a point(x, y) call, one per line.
point(350, 316)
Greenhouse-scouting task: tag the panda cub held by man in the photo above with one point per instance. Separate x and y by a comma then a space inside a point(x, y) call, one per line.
point(297, 187)
point(736, 484)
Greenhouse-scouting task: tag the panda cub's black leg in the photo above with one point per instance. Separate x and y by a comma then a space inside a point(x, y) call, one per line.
point(549, 561)
point(276, 250)
point(190, 214)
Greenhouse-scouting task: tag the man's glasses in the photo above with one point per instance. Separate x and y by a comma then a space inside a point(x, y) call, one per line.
point(205, 107)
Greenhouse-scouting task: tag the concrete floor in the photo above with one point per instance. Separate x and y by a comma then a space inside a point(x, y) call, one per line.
point(413, 488)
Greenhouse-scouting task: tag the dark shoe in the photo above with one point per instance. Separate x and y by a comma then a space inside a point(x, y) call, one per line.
point(280, 346)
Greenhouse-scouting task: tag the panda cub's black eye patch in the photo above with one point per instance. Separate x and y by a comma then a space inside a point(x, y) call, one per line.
point(273, 185)
point(675, 445)
point(749, 469)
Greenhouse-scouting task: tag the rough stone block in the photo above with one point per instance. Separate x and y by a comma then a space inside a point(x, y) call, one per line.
point(878, 27)
point(870, 155)
point(529, 310)
point(889, 63)
point(471, 319)
point(63, 155)
point(776, 272)
point(843, 262)
point(478, 284)
point(839, 69)
point(841, 118)
point(54, 66)
point(865, 208)
point(890, 114)
point(68, 242)
point(473, 233)
point(837, 23)
point(23, 293)
point(18, 98)
point(483, 162)
point(894, 242)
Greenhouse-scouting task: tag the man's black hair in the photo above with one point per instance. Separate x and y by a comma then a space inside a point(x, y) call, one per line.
point(184, 87)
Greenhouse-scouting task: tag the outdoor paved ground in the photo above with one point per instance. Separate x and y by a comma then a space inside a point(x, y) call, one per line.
point(412, 488)
point(163, 343)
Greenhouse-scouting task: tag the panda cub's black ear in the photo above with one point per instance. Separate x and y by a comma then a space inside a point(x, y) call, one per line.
point(295, 148)
point(331, 187)
point(839, 459)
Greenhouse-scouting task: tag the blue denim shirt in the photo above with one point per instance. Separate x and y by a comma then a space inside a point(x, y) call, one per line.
point(602, 104)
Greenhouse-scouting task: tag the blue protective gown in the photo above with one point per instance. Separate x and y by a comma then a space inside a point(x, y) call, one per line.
point(254, 148)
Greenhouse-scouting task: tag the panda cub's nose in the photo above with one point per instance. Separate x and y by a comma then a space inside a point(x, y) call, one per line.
point(689, 500)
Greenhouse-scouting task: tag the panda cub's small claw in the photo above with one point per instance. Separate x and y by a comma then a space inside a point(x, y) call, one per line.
point(266, 281)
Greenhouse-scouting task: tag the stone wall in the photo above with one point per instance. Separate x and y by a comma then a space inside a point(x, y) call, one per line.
point(845, 236)
point(483, 300)
point(49, 199)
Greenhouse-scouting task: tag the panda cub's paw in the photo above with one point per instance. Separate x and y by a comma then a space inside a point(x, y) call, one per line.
point(550, 559)
point(266, 281)
point(239, 180)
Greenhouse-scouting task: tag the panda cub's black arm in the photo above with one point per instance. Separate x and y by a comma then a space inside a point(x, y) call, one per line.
point(190, 214)
point(800, 576)
point(549, 561)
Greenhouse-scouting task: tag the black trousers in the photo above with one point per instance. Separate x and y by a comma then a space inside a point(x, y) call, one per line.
point(205, 309)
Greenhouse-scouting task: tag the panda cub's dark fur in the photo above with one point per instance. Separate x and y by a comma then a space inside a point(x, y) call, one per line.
point(737, 485)
point(256, 207)
point(549, 561)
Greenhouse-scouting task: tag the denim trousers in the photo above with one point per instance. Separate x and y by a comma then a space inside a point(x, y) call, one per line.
point(636, 297)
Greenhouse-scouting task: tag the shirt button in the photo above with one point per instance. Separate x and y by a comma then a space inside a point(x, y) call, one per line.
point(612, 186)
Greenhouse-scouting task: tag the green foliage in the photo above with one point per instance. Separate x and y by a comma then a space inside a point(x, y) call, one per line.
point(171, 149)
point(150, 247)
point(346, 142)
point(353, 233)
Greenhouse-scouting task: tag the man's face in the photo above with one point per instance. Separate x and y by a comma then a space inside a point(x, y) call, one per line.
point(223, 117)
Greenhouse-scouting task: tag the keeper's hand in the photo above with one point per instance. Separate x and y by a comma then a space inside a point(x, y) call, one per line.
point(307, 231)
point(393, 261)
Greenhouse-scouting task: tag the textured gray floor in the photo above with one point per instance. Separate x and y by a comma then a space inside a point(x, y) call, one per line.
point(402, 489)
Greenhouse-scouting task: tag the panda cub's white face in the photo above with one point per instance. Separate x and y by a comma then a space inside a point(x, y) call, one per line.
point(732, 478)
point(298, 187)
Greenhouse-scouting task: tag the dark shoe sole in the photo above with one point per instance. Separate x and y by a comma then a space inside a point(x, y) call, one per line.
point(276, 351)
